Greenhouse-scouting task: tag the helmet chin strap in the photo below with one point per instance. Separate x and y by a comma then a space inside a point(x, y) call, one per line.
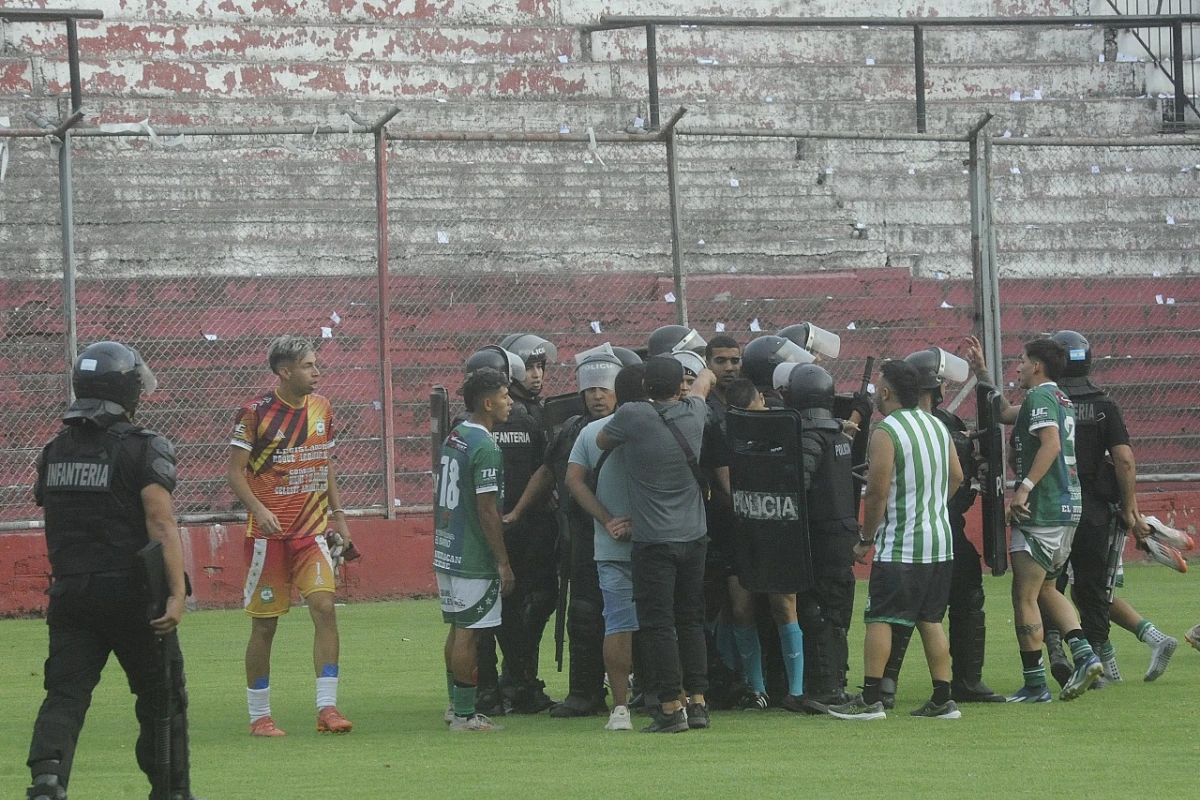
point(102, 413)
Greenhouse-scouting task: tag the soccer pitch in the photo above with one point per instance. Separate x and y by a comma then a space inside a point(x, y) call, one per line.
point(1130, 740)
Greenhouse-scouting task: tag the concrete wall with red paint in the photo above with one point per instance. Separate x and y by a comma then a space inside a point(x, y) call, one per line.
point(396, 562)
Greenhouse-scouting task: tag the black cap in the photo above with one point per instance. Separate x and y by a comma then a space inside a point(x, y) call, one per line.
point(663, 374)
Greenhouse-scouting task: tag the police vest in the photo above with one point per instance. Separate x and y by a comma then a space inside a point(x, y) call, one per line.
point(1096, 475)
point(523, 444)
point(95, 521)
point(831, 495)
point(964, 498)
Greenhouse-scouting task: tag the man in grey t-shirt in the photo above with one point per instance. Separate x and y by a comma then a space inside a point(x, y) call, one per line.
point(669, 538)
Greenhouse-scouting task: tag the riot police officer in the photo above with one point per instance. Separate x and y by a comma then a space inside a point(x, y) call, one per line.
point(530, 544)
point(105, 485)
point(824, 613)
point(675, 339)
point(760, 359)
point(968, 629)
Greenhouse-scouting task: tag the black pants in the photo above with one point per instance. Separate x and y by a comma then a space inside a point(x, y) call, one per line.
point(524, 614)
point(585, 618)
point(90, 617)
point(668, 587)
point(1089, 565)
point(825, 612)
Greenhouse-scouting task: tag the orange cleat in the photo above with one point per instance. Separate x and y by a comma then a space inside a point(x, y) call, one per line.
point(330, 720)
point(265, 726)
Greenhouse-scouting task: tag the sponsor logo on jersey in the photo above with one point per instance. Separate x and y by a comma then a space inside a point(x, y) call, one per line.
point(1039, 413)
point(320, 427)
point(77, 475)
point(266, 594)
point(766, 506)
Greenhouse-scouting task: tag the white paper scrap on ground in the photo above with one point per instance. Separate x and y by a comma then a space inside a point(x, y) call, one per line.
point(851, 327)
point(699, 241)
point(870, 62)
point(720, 328)
point(1037, 94)
point(1156, 274)
point(734, 182)
point(1102, 58)
point(443, 237)
point(212, 337)
point(829, 170)
point(1170, 220)
point(1158, 298)
point(912, 171)
point(1015, 170)
point(941, 276)
point(1095, 169)
point(1015, 96)
point(563, 59)
point(564, 129)
point(326, 333)
point(1170, 301)
point(378, 405)
point(946, 305)
point(669, 297)
point(595, 327)
point(754, 326)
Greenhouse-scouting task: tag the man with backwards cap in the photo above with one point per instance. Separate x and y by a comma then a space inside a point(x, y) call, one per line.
point(968, 631)
point(530, 545)
point(595, 373)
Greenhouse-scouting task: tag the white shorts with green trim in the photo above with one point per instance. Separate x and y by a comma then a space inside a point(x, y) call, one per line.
point(469, 602)
point(1050, 547)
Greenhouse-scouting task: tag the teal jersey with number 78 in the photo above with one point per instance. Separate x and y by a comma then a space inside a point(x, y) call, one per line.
point(471, 465)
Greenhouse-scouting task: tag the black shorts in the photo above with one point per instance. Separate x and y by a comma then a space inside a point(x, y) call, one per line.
point(905, 594)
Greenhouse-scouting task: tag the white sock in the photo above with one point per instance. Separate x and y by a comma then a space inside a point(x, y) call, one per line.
point(259, 701)
point(326, 692)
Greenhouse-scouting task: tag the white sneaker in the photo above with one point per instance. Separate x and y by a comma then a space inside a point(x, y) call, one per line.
point(449, 716)
point(619, 720)
point(1172, 536)
point(1160, 655)
point(476, 722)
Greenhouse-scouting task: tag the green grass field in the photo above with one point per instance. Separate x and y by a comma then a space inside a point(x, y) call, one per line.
point(1131, 740)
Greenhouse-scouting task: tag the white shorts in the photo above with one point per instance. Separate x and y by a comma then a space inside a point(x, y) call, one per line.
point(469, 602)
point(1049, 547)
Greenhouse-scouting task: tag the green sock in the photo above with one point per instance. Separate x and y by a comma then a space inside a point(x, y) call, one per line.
point(1108, 652)
point(464, 699)
point(1080, 649)
point(1142, 627)
point(450, 687)
point(1033, 668)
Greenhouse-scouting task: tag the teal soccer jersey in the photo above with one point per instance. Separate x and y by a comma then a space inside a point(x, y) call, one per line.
point(1055, 499)
point(471, 465)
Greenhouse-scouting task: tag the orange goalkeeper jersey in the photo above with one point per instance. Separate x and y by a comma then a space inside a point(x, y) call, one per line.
point(289, 461)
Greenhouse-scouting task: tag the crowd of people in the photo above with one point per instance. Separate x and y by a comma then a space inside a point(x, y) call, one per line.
point(691, 512)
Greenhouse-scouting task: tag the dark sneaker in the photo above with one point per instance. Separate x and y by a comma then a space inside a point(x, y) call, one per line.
point(489, 701)
point(857, 709)
point(794, 703)
point(947, 710)
point(887, 693)
point(1084, 676)
point(1025, 694)
point(531, 698)
point(1060, 667)
point(46, 787)
point(697, 716)
point(575, 706)
point(667, 723)
point(977, 692)
point(754, 701)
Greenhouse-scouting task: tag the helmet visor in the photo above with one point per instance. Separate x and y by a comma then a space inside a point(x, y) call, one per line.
point(783, 373)
point(951, 367)
point(693, 341)
point(149, 382)
point(598, 373)
point(604, 349)
point(789, 351)
point(692, 363)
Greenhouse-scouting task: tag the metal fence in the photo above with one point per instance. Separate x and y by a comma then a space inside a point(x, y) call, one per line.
point(579, 237)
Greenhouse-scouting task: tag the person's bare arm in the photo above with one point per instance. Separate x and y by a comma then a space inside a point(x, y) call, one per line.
point(881, 454)
point(493, 533)
point(335, 507)
point(1009, 412)
point(1126, 468)
point(239, 459)
point(704, 383)
point(160, 525)
point(536, 492)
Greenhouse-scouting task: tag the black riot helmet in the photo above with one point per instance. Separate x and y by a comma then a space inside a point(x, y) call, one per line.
point(499, 359)
point(627, 356)
point(530, 348)
point(675, 338)
point(113, 372)
point(1079, 354)
point(926, 364)
point(762, 355)
point(810, 387)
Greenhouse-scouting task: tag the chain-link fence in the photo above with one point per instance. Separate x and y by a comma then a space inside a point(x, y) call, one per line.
point(1105, 240)
point(199, 250)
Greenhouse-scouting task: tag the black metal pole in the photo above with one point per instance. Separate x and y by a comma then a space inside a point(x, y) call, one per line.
point(919, 68)
point(73, 58)
point(1177, 72)
point(652, 74)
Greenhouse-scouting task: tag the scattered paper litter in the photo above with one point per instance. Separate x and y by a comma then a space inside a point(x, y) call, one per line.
point(326, 333)
point(754, 326)
point(720, 327)
point(563, 59)
point(734, 182)
point(669, 297)
point(337, 319)
point(946, 305)
point(851, 327)
point(595, 327)
point(443, 237)
point(212, 337)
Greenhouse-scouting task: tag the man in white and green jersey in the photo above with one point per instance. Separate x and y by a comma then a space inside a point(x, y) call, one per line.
point(469, 557)
point(913, 473)
point(1043, 514)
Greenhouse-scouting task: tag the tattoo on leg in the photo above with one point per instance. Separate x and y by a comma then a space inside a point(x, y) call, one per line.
point(1028, 630)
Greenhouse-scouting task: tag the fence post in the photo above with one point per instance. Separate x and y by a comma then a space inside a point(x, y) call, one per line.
point(652, 74)
point(919, 69)
point(386, 408)
point(1181, 98)
point(67, 222)
point(680, 276)
point(983, 266)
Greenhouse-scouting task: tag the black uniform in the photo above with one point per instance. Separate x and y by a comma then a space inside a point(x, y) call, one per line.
point(824, 614)
point(90, 479)
point(530, 546)
point(1099, 427)
point(585, 610)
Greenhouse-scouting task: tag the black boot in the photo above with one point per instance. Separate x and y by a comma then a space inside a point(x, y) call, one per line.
point(968, 637)
point(46, 787)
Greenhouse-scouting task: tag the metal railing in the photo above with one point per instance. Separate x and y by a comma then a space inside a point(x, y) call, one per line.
point(1163, 22)
point(1176, 69)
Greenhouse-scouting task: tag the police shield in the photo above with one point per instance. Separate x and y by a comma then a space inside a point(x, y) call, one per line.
point(991, 484)
point(560, 408)
point(766, 477)
point(439, 423)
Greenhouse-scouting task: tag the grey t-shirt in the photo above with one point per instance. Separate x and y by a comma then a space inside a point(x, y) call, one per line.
point(612, 488)
point(666, 502)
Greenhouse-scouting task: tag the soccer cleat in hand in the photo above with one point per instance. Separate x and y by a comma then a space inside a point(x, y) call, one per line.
point(339, 551)
point(1167, 535)
point(1164, 554)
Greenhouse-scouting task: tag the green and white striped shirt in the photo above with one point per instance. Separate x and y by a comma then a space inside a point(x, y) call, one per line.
point(916, 524)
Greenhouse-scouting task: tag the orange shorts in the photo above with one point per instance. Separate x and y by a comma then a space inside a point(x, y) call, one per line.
point(276, 565)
